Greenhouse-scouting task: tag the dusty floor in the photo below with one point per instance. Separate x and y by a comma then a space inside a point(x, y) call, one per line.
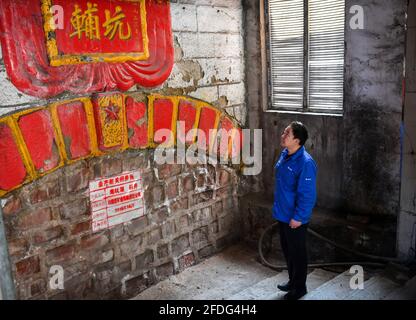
point(219, 277)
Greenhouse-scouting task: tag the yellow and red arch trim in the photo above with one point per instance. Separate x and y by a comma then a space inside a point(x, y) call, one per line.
point(37, 141)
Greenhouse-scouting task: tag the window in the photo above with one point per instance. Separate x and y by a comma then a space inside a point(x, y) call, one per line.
point(305, 55)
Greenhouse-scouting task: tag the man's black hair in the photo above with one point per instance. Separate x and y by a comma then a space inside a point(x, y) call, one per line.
point(299, 132)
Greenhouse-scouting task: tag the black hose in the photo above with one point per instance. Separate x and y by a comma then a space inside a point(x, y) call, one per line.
point(381, 263)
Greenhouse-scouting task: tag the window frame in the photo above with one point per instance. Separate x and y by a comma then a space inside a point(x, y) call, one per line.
point(266, 97)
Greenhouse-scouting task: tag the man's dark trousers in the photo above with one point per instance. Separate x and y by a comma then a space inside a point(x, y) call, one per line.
point(293, 242)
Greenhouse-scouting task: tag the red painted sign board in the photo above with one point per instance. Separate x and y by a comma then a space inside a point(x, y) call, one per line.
point(101, 26)
point(84, 46)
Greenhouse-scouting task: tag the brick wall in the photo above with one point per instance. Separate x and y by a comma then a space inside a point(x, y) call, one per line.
point(191, 211)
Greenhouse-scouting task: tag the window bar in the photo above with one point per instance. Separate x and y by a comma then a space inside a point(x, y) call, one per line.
point(305, 55)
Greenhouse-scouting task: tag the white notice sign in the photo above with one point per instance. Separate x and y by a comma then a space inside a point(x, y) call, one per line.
point(116, 200)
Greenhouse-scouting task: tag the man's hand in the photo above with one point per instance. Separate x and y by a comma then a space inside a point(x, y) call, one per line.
point(295, 224)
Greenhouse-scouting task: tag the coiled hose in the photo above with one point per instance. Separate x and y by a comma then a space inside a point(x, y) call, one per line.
point(381, 260)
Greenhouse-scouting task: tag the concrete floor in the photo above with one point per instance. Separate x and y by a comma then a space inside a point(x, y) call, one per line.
point(218, 278)
point(235, 274)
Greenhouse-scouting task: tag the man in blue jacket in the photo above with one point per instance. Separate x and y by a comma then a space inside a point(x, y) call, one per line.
point(294, 199)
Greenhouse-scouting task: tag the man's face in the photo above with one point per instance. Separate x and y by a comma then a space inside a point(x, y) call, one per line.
point(287, 139)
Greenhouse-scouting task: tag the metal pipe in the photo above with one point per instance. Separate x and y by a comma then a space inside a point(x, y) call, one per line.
point(6, 279)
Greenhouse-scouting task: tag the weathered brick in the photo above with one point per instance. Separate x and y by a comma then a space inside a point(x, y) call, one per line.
point(203, 215)
point(124, 266)
point(62, 253)
point(145, 260)
point(47, 235)
point(206, 251)
point(74, 209)
point(220, 71)
point(45, 191)
point(81, 227)
point(35, 219)
point(37, 287)
point(184, 17)
point(186, 261)
point(165, 270)
point(229, 202)
point(224, 241)
point(182, 223)
point(214, 227)
point(200, 180)
point(117, 233)
point(172, 190)
point(135, 162)
point(226, 222)
point(106, 256)
point(78, 286)
point(212, 173)
point(224, 178)
point(180, 204)
point(137, 284)
point(17, 247)
point(168, 170)
point(168, 229)
point(78, 178)
point(200, 235)
point(102, 272)
point(13, 205)
point(224, 192)
point(154, 236)
point(202, 197)
point(160, 215)
point(226, 19)
point(109, 167)
point(217, 209)
point(59, 296)
point(158, 195)
point(132, 246)
point(94, 242)
point(188, 183)
point(28, 266)
point(148, 177)
point(113, 294)
point(180, 244)
point(162, 251)
point(137, 226)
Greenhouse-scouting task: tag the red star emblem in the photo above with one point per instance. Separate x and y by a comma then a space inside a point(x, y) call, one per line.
point(112, 113)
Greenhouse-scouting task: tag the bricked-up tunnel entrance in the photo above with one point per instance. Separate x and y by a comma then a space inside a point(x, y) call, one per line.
point(50, 154)
point(82, 106)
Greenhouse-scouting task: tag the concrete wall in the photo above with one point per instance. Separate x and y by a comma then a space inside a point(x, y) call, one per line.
point(191, 210)
point(407, 218)
point(358, 155)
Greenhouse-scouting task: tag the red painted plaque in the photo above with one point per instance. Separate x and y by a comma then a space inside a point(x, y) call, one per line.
point(83, 46)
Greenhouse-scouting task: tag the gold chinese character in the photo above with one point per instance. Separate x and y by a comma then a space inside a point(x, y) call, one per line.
point(87, 22)
point(111, 25)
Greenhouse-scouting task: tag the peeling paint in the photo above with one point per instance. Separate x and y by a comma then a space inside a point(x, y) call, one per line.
point(191, 71)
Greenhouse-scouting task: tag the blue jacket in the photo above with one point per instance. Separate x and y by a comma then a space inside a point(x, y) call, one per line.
point(295, 187)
